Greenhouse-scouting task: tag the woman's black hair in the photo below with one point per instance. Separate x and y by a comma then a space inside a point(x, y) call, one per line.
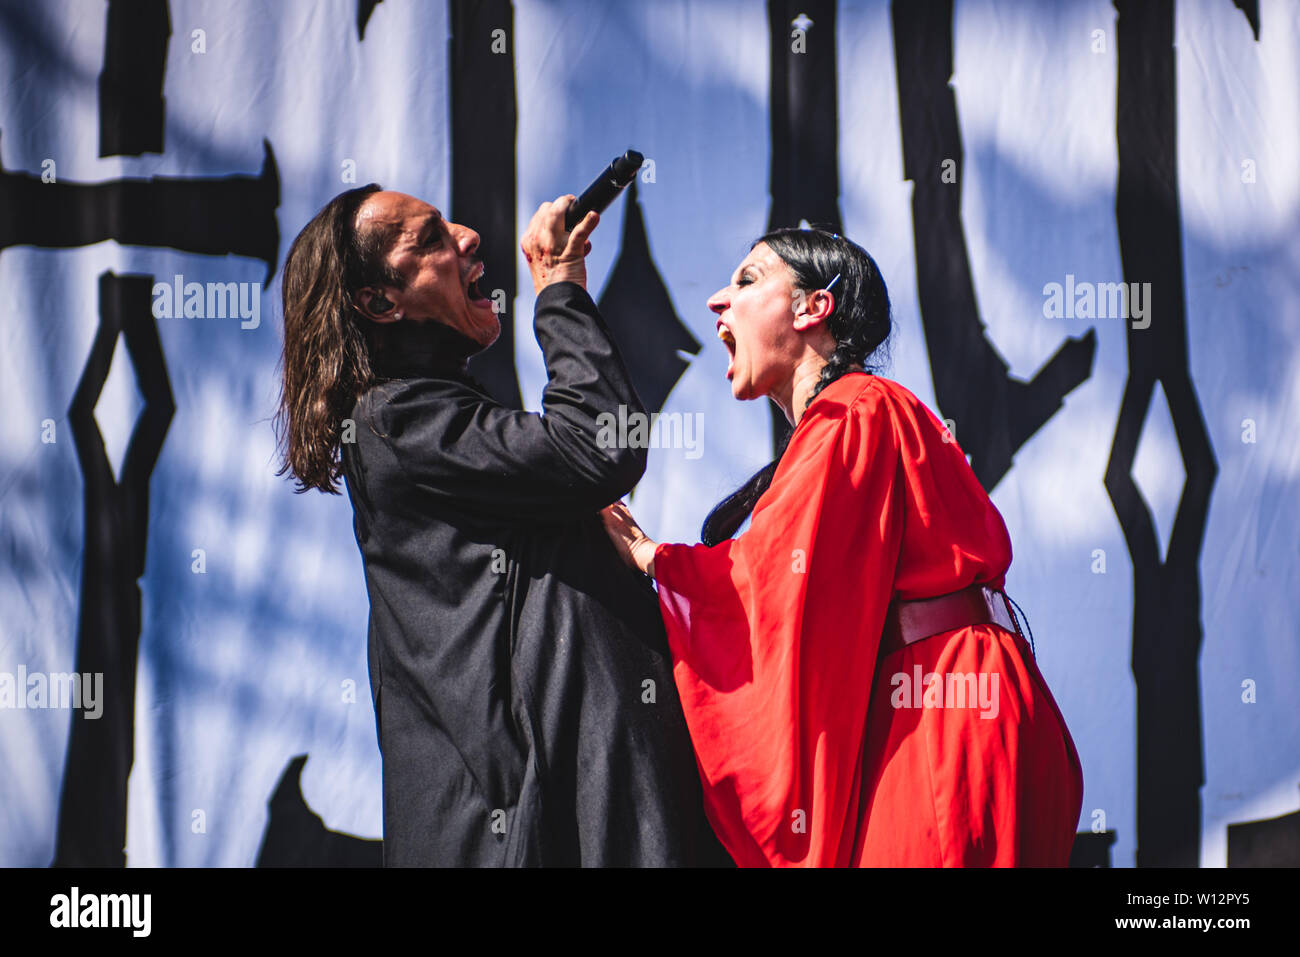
point(861, 323)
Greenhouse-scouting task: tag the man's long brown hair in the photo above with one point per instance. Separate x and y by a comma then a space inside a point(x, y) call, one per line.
point(327, 341)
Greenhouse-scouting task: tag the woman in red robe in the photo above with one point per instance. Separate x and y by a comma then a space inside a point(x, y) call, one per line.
point(835, 722)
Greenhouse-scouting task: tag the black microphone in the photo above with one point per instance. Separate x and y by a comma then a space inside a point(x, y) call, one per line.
point(604, 189)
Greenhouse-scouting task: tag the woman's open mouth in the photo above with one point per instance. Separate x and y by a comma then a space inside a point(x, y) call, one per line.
point(729, 341)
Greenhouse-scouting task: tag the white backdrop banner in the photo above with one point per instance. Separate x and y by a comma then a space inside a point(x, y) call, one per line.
point(1008, 165)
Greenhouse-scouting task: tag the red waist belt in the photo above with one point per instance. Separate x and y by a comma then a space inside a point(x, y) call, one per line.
point(910, 621)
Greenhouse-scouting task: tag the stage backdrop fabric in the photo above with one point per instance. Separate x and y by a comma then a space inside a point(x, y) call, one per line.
point(1005, 163)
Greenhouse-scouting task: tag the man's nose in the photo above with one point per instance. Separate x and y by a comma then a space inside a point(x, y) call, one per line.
point(466, 239)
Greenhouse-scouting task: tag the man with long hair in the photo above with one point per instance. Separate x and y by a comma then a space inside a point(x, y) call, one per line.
point(520, 674)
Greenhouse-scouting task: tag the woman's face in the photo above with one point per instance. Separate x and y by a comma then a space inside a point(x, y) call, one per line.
point(756, 322)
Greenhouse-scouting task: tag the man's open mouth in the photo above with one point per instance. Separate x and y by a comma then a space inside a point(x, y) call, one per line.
point(472, 290)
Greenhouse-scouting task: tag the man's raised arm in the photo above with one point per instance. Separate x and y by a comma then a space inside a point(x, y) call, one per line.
point(453, 443)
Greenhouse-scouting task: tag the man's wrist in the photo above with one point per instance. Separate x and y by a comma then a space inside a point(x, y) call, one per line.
point(574, 274)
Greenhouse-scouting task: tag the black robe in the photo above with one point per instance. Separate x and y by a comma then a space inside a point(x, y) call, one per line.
point(520, 673)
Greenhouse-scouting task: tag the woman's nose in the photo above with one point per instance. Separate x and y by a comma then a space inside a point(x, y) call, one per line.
point(719, 302)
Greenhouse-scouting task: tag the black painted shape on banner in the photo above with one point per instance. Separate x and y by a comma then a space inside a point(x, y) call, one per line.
point(1251, 9)
point(1274, 842)
point(364, 9)
point(804, 179)
point(131, 105)
point(1166, 592)
point(483, 121)
point(995, 415)
point(639, 311)
point(297, 837)
point(1092, 849)
point(232, 215)
point(92, 809)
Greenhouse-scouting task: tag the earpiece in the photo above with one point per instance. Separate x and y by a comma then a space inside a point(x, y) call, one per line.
point(801, 298)
point(379, 303)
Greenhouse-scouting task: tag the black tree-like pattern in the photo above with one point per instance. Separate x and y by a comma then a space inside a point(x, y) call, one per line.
point(92, 809)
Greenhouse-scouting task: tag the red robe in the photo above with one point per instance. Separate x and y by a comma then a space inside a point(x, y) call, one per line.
point(814, 749)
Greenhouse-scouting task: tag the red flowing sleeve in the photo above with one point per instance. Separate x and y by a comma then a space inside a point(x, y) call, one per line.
point(775, 634)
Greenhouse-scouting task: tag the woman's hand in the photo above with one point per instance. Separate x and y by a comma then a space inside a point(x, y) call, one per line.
point(632, 545)
point(553, 254)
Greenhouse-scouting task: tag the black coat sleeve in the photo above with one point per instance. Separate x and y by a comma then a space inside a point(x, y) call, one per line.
point(455, 443)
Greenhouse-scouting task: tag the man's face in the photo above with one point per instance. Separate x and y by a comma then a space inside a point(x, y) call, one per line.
point(437, 259)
